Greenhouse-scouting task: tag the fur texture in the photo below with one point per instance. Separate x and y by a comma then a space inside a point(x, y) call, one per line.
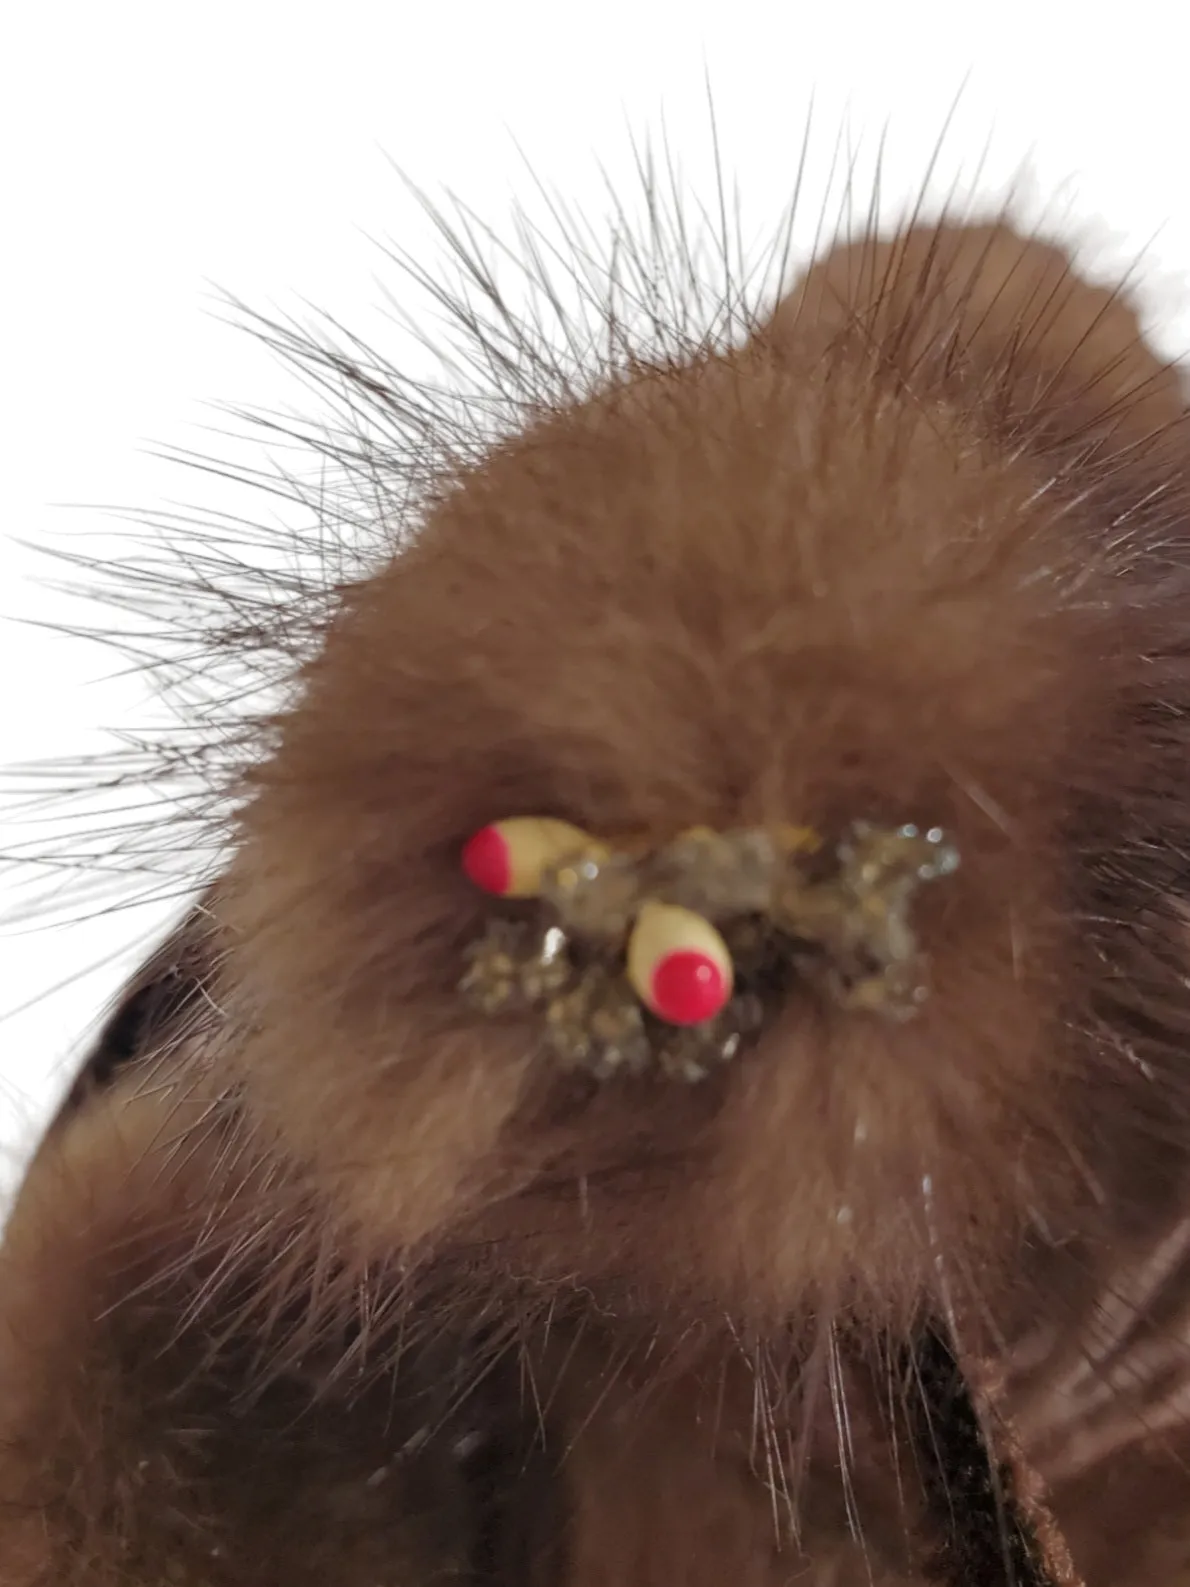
point(318, 1277)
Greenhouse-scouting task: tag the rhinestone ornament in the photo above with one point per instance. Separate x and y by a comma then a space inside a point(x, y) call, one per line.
point(671, 959)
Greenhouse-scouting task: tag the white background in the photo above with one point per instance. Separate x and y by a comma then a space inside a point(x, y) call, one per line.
point(150, 152)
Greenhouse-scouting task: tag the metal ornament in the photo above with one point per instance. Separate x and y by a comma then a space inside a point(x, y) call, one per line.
point(670, 959)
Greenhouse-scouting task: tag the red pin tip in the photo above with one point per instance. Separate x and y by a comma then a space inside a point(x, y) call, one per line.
point(688, 987)
point(487, 861)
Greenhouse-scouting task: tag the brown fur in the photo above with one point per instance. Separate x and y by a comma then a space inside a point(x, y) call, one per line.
point(333, 1281)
